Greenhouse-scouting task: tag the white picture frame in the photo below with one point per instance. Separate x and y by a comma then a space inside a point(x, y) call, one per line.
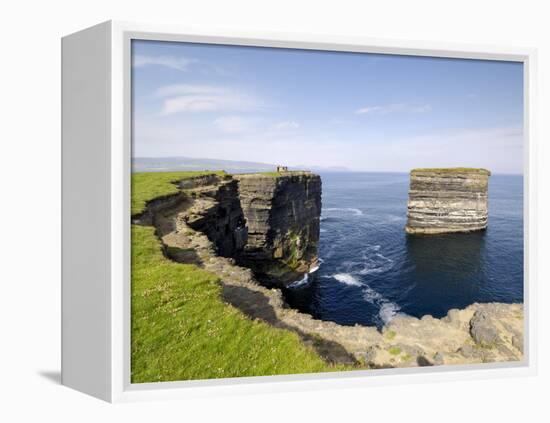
point(96, 155)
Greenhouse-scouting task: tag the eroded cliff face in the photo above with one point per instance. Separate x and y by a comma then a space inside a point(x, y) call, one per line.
point(267, 222)
point(191, 226)
point(282, 213)
point(216, 211)
point(447, 200)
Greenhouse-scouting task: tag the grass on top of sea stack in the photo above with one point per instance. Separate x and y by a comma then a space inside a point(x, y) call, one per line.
point(149, 185)
point(480, 171)
point(181, 328)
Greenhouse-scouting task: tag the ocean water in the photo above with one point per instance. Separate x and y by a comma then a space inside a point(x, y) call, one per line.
point(371, 270)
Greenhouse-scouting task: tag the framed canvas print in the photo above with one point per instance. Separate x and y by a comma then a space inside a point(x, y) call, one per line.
point(262, 212)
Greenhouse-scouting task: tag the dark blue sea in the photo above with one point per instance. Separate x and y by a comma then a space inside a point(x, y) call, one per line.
point(371, 270)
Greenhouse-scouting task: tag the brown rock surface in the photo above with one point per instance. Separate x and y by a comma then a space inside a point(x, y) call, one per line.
point(282, 213)
point(480, 333)
point(447, 200)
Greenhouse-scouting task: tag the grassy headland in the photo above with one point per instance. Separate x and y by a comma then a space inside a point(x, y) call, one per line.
point(149, 185)
point(181, 328)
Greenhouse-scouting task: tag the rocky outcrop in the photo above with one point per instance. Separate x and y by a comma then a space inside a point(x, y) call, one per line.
point(266, 222)
point(217, 212)
point(447, 200)
point(480, 333)
point(282, 213)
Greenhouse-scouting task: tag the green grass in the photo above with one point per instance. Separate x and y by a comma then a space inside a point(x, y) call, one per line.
point(453, 169)
point(390, 334)
point(182, 330)
point(395, 350)
point(149, 185)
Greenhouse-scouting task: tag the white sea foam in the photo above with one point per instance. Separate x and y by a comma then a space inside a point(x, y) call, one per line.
point(315, 268)
point(374, 262)
point(299, 282)
point(322, 230)
point(346, 278)
point(357, 212)
point(371, 295)
point(388, 311)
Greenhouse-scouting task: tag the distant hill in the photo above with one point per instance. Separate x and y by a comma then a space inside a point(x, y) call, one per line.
point(165, 164)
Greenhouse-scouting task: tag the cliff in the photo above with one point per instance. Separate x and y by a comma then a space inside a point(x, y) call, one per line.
point(216, 211)
point(266, 222)
point(447, 200)
point(282, 213)
point(195, 225)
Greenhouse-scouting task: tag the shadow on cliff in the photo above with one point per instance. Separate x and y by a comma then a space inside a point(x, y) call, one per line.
point(183, 255)
point(256, 306)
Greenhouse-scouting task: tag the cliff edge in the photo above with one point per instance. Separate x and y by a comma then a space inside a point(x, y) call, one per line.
point(282, 213)
point(268, 222)
point(443, 200)
point(194, 225)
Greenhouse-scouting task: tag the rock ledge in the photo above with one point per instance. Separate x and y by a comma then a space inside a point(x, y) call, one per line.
point(479, 333)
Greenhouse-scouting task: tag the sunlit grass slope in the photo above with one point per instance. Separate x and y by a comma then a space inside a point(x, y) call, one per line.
point(181, 329)
point(149, 185)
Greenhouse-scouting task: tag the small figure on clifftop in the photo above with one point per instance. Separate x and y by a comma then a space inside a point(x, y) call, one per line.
point(282, 169)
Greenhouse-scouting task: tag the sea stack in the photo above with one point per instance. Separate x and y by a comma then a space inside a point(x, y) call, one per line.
point(444, 200)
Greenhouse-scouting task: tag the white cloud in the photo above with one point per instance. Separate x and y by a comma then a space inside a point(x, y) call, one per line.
point(498, 149)
point(204, 98)
point(173, 62)
point(394, 108)
point(365, 110)
point(287, 124)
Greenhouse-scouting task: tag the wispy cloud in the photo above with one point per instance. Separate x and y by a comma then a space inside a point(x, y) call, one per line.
point(287, 124)
point(179, 63)
point(394, 108)
point(205, 98)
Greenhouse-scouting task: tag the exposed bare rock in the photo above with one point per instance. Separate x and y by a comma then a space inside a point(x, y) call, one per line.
point(480, 333)
point(282, 213)
point(217, 212)
point(447, 200)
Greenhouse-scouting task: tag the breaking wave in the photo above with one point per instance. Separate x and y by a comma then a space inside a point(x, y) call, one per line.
point(373, 263)
point(387, 309)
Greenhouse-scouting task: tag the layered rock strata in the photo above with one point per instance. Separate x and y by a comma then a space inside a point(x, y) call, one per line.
point(282, 214)
point(268, 222)
point(447, 200)
point(480, 333)
point(217, 213)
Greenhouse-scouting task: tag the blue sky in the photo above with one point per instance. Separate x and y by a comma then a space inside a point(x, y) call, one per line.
point(311, 108)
